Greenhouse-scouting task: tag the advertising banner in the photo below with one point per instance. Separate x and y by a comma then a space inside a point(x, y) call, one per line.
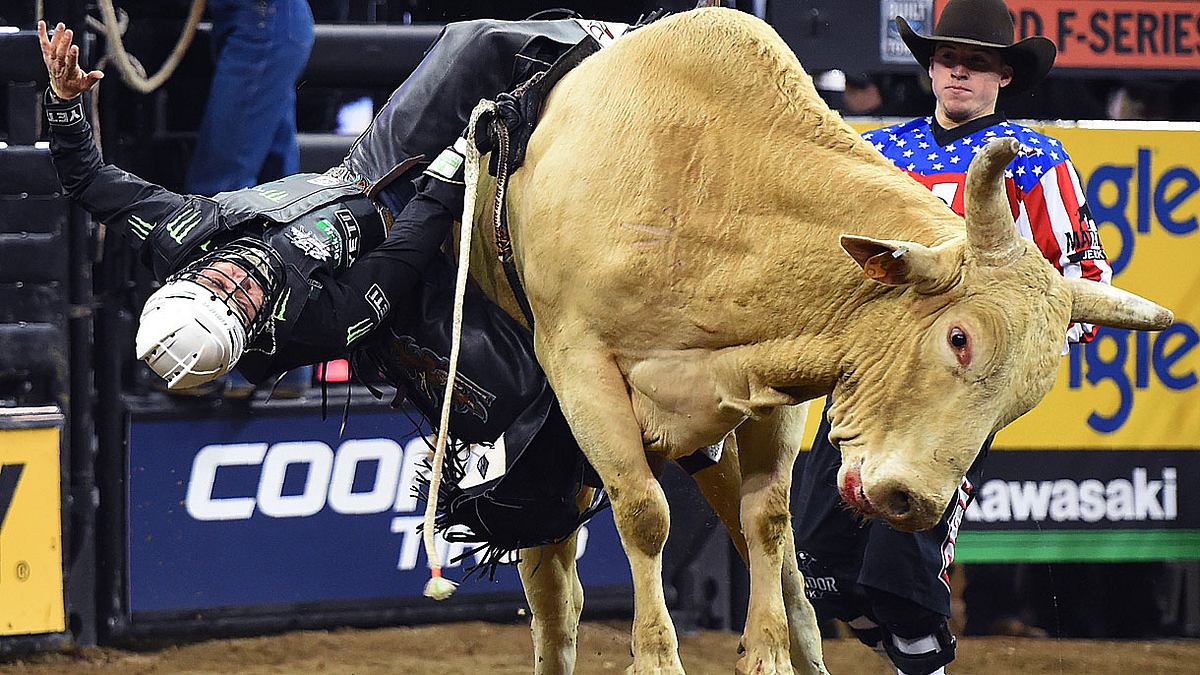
point(278, 509)
point(1130, 389)
point(1144, 34)
point(31, 572)
point(1095, 506)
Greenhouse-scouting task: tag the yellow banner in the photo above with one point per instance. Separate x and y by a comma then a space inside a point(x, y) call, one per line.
point(31, 583)
point(1131, 390)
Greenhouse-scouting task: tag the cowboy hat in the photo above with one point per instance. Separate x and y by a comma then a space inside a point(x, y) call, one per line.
point(984, 23)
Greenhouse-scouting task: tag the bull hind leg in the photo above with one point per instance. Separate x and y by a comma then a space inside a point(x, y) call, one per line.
point(722, 486)
point(555, 597)
point(781, 629)
point(595, 400)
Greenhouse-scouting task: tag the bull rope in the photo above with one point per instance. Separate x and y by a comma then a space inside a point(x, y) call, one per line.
point(438, 587)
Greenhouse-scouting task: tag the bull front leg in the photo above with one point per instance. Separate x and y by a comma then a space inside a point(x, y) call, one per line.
point(555, 597)
point(722, 488)
point(774, 638)
point(595, 400)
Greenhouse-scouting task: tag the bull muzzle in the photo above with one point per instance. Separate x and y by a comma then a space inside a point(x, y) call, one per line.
point(900, 504)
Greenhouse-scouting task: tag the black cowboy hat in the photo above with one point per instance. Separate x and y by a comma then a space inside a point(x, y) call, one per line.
point(984, 23)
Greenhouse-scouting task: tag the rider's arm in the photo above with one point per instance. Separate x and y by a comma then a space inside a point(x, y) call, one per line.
point(119, 199)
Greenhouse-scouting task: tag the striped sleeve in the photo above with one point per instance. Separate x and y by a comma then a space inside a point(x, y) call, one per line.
point(1063, 228)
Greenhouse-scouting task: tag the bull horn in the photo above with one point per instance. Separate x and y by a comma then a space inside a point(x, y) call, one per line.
point(1101, 304)
point(990, 229)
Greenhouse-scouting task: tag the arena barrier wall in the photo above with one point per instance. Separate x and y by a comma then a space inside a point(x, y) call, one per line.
point(240, 522)
point(32, 602)
point(1107, 467)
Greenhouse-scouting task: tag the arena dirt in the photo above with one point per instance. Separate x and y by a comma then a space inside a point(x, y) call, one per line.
point(487, 649)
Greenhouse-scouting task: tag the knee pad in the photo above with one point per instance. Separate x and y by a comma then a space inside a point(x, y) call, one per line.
point(921, 655)
point(917, 640)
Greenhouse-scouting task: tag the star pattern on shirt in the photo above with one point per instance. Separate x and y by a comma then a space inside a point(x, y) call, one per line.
point(911, 146)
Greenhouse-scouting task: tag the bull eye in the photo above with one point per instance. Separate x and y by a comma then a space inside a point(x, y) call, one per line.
point(961, 345)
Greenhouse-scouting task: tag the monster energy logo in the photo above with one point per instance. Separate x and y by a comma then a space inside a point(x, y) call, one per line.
point(182, 225)
point(358, 330)
point(281, 305)
point(276, 196)
point(140, 227)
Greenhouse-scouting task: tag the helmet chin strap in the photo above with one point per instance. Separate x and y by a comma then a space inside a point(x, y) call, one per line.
point(196, 327)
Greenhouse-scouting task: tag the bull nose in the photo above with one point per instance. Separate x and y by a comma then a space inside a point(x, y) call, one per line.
point(903, 507)
point(896, 503)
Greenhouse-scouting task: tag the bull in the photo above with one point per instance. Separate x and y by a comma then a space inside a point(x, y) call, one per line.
point(678, 226)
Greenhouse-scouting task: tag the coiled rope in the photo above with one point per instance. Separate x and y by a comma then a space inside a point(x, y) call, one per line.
point(132, 71)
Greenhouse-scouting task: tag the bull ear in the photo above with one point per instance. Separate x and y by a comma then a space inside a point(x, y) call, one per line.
point(1101, 304)
point(896, 263)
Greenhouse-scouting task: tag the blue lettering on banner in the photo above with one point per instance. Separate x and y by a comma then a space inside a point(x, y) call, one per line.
point(1138, 359)
point(1174, 187)
point(279, 509)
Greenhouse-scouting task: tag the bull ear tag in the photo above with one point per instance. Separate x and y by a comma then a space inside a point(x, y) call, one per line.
point(880, 265)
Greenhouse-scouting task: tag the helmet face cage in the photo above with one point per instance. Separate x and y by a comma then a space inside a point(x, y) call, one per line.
point(233, 273)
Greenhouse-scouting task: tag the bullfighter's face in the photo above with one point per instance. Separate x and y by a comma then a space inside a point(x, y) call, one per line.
point(967, 81)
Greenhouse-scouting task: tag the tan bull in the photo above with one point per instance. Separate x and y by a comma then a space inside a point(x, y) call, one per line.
point(678, 225)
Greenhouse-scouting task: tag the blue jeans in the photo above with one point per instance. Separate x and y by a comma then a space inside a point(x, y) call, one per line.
point(248, 135)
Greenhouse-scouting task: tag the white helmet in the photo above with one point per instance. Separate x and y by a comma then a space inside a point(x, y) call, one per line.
point(188, 335)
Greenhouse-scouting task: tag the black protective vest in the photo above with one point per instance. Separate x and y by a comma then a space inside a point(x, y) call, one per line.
point(315, 222)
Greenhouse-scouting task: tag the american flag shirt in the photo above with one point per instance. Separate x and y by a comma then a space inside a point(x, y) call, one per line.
point(1044, 190)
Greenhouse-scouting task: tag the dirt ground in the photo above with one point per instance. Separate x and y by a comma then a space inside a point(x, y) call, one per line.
point(487, 649)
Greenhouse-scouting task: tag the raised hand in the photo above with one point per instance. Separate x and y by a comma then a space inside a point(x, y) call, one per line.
point(67, 79)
